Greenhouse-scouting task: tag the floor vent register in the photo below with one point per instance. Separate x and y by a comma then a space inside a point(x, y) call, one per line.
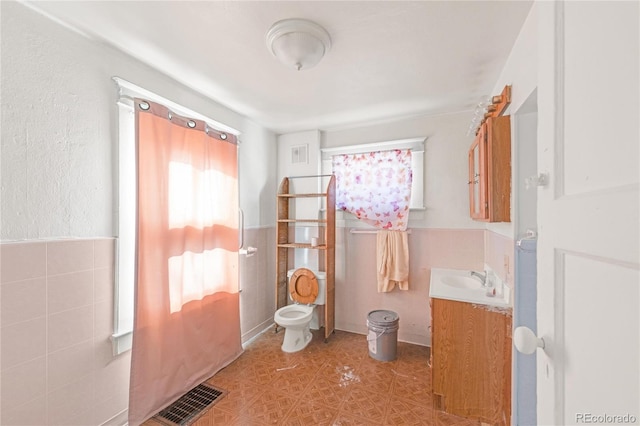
point(190, 406)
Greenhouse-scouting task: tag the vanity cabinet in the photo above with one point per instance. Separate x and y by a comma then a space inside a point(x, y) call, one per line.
point(471, 360)
point(490, 171)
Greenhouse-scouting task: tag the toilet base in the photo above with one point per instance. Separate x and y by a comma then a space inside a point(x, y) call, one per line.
point(296, 339)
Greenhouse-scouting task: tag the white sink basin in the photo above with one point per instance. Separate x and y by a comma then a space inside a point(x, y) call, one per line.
point(459, 285)
point(460, 282)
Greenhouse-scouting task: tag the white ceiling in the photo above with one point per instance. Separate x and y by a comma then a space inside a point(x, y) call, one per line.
point(388, 58)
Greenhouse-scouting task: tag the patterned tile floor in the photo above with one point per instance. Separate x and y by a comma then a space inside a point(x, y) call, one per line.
point(333, 383)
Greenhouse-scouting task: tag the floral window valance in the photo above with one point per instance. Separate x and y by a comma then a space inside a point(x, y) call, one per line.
point(375, 187)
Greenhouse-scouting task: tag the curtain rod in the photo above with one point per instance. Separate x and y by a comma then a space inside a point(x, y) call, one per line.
point(129, 91)
point(308, 176)
point(368, 231)
point(414, 144)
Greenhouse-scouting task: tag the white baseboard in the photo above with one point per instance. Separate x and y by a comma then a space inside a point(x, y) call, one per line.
point(120, 419)
point(258, 329)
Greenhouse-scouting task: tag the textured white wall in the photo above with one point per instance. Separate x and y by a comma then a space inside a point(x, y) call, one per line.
point(310, 139)
point(58, 165)
point(257, 175)
point(307, 207)
point(59, 130)
point(520, 71)
point(56, 131)
point(458, 245)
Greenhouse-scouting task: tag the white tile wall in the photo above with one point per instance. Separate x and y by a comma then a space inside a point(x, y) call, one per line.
point(22, 383)
point(23, 301)
point(69, 328)
point(257, 282)
point(33, 412)
point(356, 281)
point(56, 366)
point(23, 342)
point(69, 291)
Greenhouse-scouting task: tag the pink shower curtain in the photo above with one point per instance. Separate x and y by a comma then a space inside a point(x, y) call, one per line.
point(187, 320)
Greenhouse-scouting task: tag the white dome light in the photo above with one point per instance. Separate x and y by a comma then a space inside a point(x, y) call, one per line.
point(298, 43)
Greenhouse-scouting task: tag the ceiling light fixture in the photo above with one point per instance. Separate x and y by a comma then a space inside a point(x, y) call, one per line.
point(298, 43)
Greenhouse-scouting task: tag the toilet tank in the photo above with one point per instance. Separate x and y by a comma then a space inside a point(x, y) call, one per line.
point(321, 277)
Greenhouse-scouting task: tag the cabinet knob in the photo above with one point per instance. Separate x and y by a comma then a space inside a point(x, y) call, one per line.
point(526, 341)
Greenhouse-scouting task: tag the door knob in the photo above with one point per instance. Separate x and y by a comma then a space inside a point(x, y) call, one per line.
point(526, 341)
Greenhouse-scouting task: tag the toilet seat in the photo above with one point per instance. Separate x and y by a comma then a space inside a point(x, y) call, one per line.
point(303, 286)
point(292, 315)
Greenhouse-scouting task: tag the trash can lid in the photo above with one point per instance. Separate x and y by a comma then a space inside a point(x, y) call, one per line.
point(383, 317)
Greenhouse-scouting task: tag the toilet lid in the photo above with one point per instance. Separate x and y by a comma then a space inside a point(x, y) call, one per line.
point(303, 286)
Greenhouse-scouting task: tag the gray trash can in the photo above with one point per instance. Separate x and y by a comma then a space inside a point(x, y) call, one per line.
point(383, 335)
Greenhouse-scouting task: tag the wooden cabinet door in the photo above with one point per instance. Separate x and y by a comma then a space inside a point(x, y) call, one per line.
point(490, 171)
point(497, 162)
point(478, 207)
point(471, 369)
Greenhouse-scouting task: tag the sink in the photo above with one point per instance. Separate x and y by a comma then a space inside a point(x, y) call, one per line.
point(459, 285)
point(460, 282)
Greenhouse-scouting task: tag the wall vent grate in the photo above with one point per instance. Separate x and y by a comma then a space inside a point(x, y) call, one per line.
point(190, 406)
point(300, 154)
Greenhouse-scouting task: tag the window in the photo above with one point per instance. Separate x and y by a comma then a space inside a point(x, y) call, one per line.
point(375, 187)
point(126, 211)
point(416, 146)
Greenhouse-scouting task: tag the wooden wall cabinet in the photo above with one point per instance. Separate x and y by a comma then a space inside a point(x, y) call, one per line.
point(471, 360)
point(490, 171)
point(285, 243)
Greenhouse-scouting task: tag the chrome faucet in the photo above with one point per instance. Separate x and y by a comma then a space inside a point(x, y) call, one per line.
point(482, 276)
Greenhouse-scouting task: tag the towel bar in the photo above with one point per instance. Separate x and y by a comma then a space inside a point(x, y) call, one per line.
point(368, 231)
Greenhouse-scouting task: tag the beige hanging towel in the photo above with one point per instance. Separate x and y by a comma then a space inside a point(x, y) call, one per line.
point(392, 253)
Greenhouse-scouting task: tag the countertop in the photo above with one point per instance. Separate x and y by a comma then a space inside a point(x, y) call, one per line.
point(441, 290)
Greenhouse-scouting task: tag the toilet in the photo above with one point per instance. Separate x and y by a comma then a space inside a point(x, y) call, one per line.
point(306, 290)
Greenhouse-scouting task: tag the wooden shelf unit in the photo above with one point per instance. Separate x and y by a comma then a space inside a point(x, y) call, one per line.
point(284, 224)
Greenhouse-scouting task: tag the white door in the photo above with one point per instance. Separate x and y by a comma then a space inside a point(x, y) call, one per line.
point(588, 215)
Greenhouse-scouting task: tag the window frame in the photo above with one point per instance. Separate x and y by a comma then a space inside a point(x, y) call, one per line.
point(125, 214)
point(415, 145)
